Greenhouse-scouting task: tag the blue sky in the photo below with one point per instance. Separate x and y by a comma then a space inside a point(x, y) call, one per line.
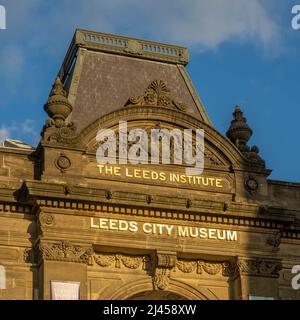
point(241, 51)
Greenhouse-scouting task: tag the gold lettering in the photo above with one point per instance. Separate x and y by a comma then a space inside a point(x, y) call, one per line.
point(100, 166)
point(123, 225)
point(212, 233)
point(117, 171)
point(146, 174)
point(94, 225)
point(183, 231)
point(109, 170)
point(231, 235)
point(169, 229)
point(160, 228)
point(103, 223)
point(147, 227)
point(137, 173)
point(113, 224)
point(174, 177)
point(203, 233)
point(205, 183)
point(193, 232)
point(133, 226)
point(183, 178)
point(162, 176)
point(219, 236)
point(211, 181)
point(154, 175)
point(128, 173)
point(219, 183)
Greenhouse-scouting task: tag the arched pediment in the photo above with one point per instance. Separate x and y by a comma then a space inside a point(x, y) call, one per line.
point(219, 151)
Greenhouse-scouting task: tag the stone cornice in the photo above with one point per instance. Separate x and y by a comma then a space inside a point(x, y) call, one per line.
point(284, 183)
point(17, 151)
point(139, 48)
point(93, 201)
point(51, 193)
point(14, 207)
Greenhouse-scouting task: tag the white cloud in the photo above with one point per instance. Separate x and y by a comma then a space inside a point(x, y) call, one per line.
point(206, 24)
point(4, 134)
point(201, 23)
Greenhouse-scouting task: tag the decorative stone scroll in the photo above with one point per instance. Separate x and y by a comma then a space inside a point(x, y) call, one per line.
point(157, 94)
point(259, 267)
point(66, 251)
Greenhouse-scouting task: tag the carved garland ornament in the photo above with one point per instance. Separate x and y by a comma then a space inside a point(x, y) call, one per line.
point(116, 260)
point(187, 266)
point(256, 266)
point(157, 94)
point(212, 268)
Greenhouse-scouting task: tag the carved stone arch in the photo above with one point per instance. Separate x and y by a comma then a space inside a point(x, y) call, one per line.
point(216, 142)
point(176, 287)
point(212, 157)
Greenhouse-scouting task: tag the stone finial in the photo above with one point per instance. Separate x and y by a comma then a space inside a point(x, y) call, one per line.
point(57, 106)
point(239, 134)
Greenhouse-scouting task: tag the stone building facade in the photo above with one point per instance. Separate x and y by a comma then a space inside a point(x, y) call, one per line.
point(125, 231)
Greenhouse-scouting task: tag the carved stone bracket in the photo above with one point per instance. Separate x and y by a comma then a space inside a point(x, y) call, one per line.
point(165, 262)
point(66, 251)
point(161, 278)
